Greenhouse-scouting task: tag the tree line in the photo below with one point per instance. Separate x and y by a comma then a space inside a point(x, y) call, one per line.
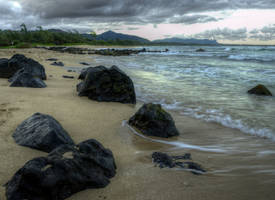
point(25, 38)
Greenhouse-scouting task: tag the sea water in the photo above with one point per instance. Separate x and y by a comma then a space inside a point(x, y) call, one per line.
point(210, 85)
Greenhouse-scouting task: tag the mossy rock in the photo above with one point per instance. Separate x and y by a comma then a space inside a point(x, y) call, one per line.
point(260, 90)
point(152, 120)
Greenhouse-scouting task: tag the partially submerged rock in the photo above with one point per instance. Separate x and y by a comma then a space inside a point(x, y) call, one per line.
point(65, 171)
point(200, 50)
point(164, 160)
point(24, 79)
point(152, 120)
point(41, 132)
point(109, 85)
point(260, 90)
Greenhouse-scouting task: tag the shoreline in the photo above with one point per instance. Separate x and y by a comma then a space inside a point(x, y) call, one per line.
point(229, 175)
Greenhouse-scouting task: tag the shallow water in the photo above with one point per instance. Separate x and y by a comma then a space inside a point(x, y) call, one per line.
point(210, 85)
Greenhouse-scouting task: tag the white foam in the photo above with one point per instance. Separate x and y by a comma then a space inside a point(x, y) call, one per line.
point(176, 143)
point(213, 115)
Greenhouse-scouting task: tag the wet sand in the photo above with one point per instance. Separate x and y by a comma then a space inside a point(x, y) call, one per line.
point(243, 171)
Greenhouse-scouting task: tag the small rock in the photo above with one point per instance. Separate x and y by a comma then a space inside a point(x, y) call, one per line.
point(58, 176)
point(52, 59)
point(71, 77)
point(164, 160)
point(60, 64)
point(200, 50)
point(41, 132)
point(152, 120)
point(260, 90)
point(84, 63)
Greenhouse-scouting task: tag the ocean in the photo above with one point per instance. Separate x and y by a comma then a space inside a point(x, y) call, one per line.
point(211, 85)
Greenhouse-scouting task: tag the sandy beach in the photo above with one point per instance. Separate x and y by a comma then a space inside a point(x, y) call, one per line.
point(230, 175)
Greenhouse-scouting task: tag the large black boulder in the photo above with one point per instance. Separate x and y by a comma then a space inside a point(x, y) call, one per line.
point(110, 85)
point(5, 70)
point(260, 90)
point(65, 171)
point(24, 79)
point(41, 132)
point(152, 120)
point(29, 65)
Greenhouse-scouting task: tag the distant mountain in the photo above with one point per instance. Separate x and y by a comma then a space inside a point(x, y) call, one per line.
point(110, 35)
point(187, 41)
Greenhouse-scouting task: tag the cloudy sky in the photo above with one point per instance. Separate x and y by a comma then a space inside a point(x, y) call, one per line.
point(228, 21)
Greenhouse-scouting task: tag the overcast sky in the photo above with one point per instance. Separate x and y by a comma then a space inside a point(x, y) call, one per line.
point(228, 21)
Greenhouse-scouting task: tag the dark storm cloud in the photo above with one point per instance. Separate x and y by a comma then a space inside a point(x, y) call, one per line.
point(85, 15)
point(224, 34)
point(148, 11)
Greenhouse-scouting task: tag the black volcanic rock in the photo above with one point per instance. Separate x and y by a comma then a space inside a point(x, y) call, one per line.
point(52, 59)
point(41, 132)
point(200, 50)
point(83, 63)
point(5, 70)
point(59, 64)
point(260, 90)
point(164, 160)
point(152, 120)
point(109, 85)
point(70, 77)
point(24, 79)
point(65, 171)
point(29, 65)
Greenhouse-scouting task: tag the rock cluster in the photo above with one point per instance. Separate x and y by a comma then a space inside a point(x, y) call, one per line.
point(23, 72)
point(66, 170)
point(104, 52)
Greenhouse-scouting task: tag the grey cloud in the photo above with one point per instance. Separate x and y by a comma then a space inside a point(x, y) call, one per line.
point(224, 34)
point(147, 11)
point(192, 19)
point(133, 28)
point(87, 15)
point(264, 34)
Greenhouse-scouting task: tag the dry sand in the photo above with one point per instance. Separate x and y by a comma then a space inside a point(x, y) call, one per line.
point(137, 178)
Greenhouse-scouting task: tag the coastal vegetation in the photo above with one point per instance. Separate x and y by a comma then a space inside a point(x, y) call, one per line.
point(25, 38)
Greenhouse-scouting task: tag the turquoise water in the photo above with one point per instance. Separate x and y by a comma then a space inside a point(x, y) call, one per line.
point(210, 85)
